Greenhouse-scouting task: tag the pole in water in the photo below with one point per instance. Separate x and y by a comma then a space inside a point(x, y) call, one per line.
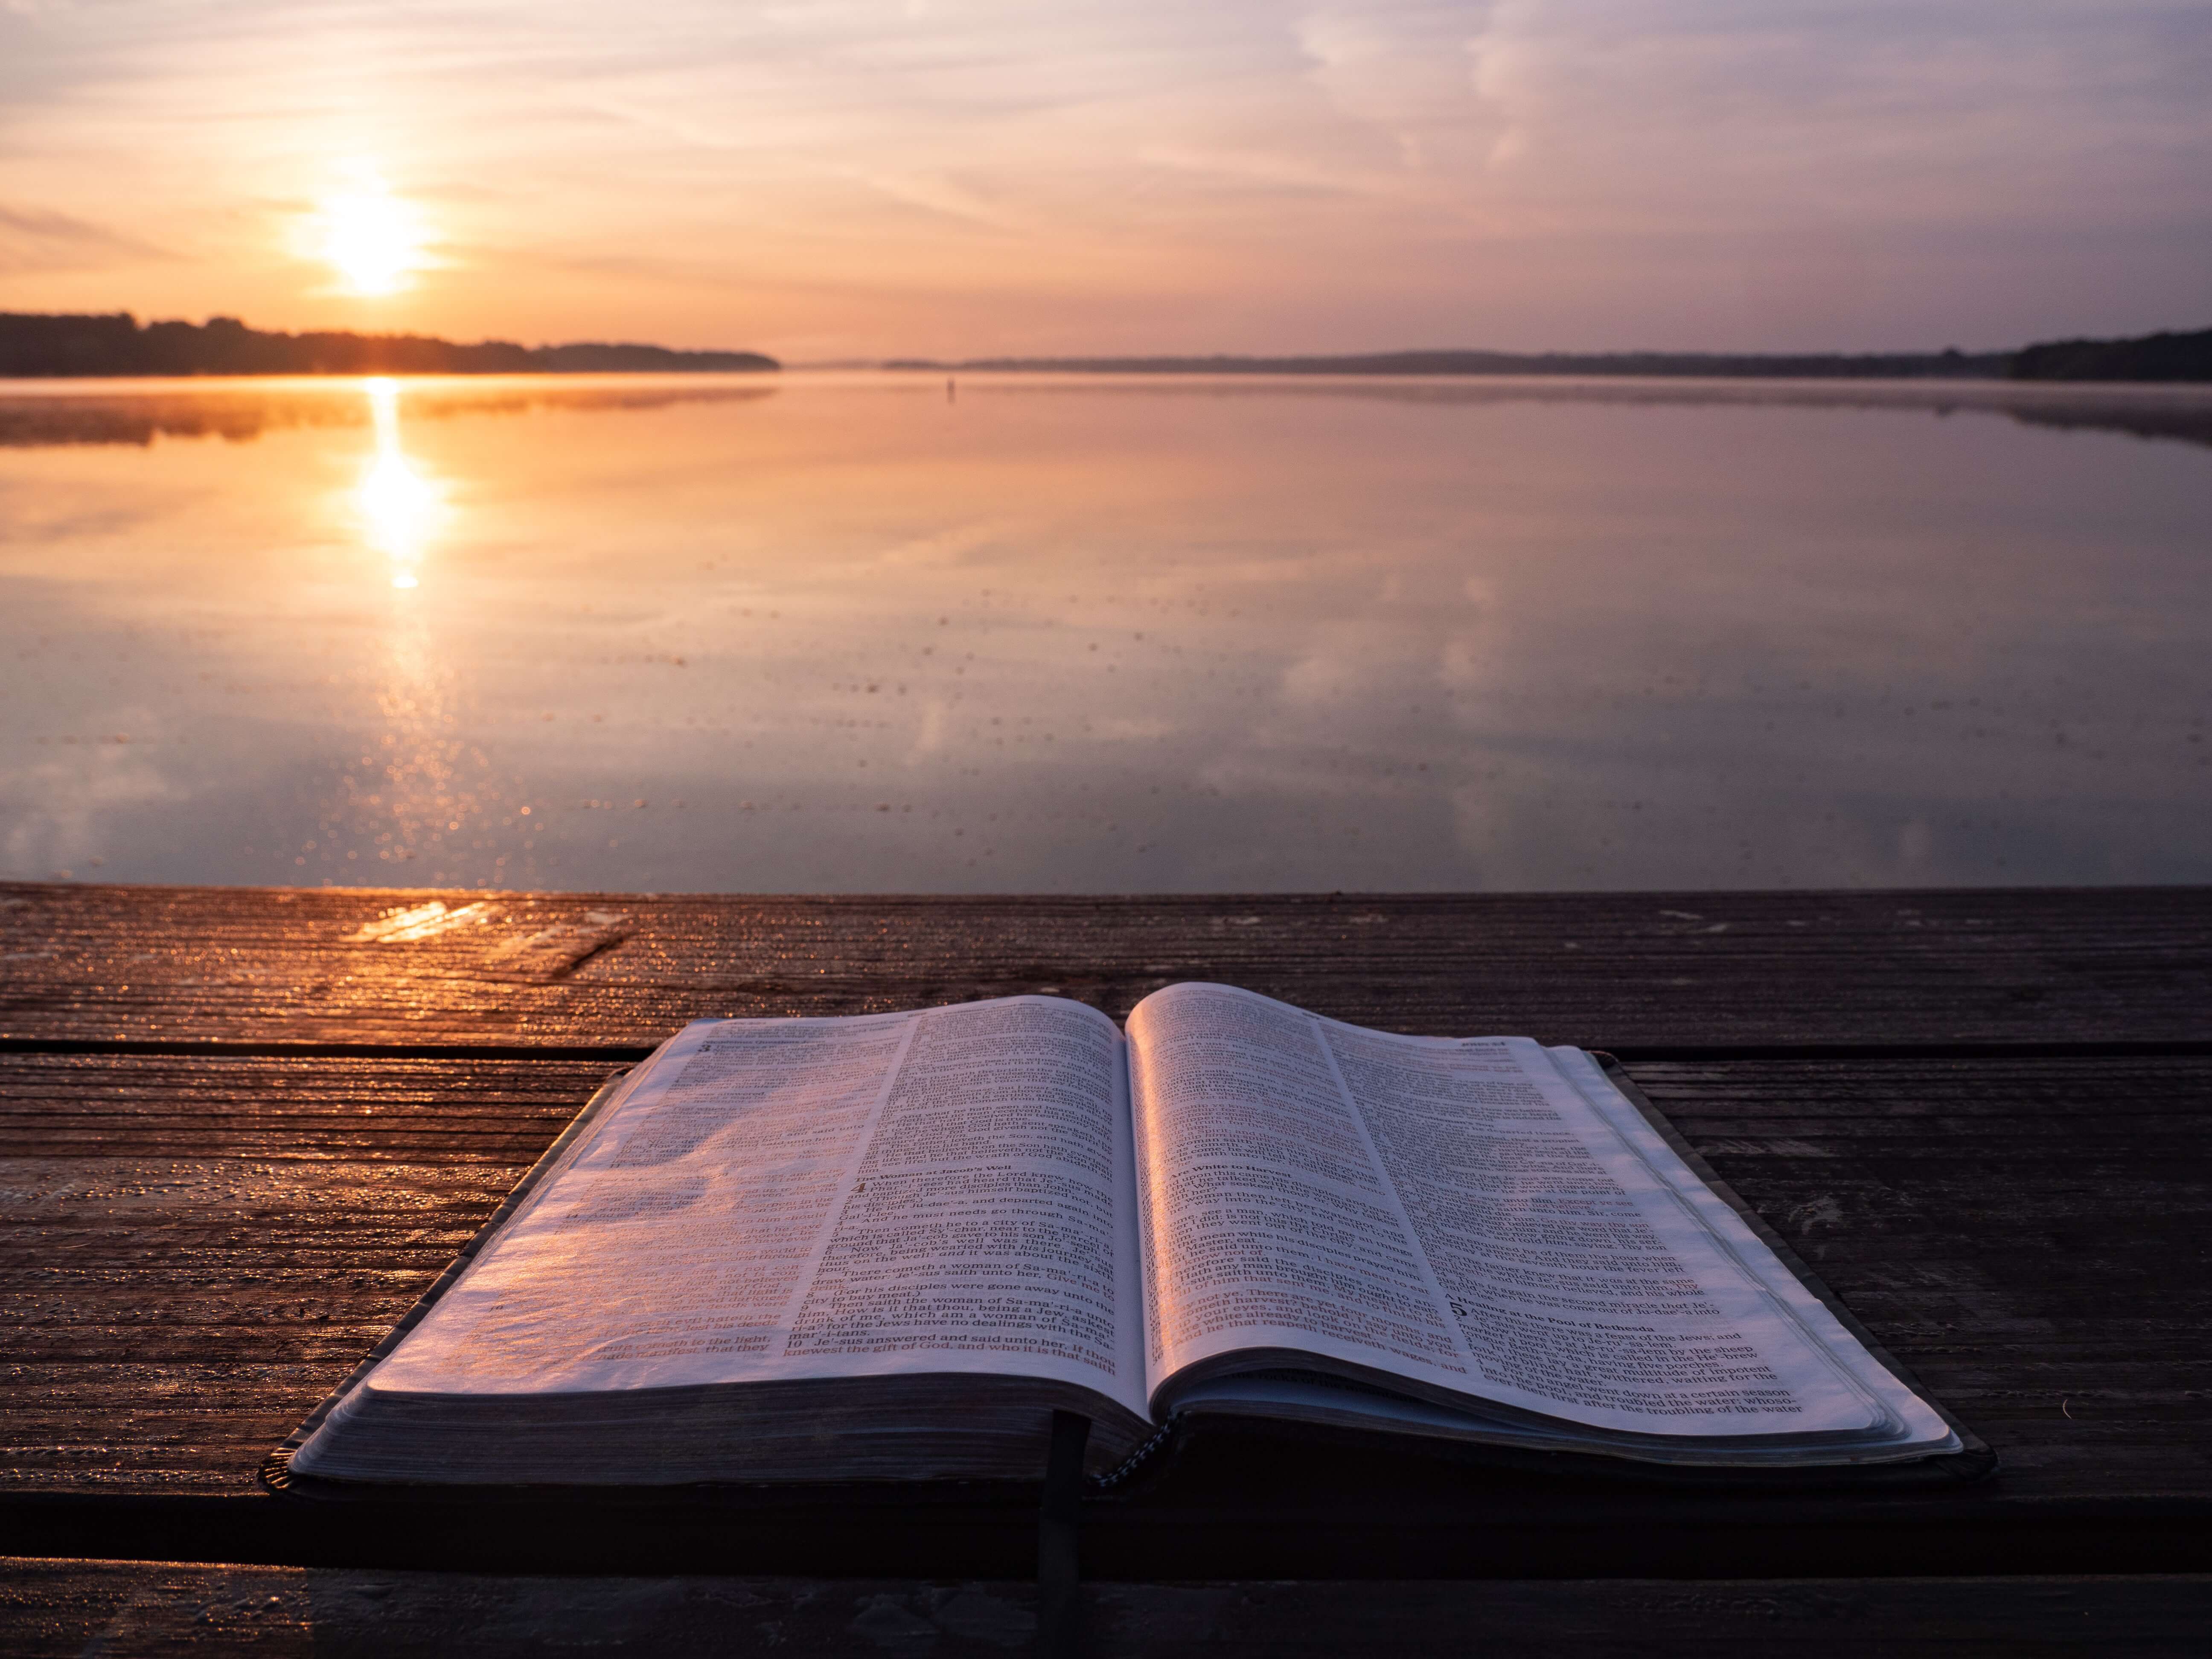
point(949, 395)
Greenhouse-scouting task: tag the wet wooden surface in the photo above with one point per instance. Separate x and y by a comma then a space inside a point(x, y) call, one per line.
point(124, 1610)
point(193, 1250)
point(1623, 971)
point(240, 1131)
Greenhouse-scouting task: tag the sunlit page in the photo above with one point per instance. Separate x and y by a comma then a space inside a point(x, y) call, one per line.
point(1450, 1211)
point(780, 1199)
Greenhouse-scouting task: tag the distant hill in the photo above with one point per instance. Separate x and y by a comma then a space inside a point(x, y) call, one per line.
point(2173, 357)
point(34, 346)
point(2146, 357)
point(1883, 366)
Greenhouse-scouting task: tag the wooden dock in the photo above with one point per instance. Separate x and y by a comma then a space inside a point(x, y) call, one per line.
point(245, 1129)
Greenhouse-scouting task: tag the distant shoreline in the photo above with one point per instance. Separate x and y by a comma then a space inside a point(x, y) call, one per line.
point(74, 346)
point(81, 346)
point(2172, 358)
point(1886, 366)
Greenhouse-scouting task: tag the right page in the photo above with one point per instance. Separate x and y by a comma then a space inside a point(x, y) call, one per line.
point(1466, 1218)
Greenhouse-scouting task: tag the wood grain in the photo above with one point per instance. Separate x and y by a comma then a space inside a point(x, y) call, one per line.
point(2033, 1238)
point(126, 1610)
point(1980, 1116)
point(192, 1250)
point(1634, 972)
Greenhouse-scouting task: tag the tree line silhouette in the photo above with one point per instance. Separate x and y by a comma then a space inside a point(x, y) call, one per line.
point(43, 346)
point(2147, 357)
point(2174, 357)
point(1808, 366)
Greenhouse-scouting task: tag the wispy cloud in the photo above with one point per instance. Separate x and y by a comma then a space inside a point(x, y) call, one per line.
point(1104, 175)
point(40, 239)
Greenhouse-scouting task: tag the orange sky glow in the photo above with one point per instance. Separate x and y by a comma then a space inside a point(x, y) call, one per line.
point(861, 178)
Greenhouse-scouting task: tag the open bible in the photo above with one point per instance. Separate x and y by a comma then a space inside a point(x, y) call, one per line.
point(890, 1246)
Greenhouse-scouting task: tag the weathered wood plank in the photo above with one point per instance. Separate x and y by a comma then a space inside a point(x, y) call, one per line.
point(192, 1250)
point(121, 1609)
point(2034, 1239)
point(1630, 971)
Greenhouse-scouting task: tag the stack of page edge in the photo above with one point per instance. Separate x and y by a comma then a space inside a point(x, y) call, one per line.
point(889, 1247)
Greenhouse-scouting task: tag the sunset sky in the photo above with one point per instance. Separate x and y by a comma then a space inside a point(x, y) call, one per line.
point(858, 178)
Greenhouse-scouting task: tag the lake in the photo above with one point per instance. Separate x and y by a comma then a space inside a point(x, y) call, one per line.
point(851, 633)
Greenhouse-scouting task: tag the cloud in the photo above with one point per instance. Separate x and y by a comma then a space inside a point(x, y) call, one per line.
point(1405, 69)
point(1739, 111)
point(35, 240)
point(1148, 175)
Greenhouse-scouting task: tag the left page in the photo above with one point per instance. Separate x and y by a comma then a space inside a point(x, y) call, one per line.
point(943, 1191)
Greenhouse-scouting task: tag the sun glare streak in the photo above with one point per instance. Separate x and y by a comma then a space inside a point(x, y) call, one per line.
point(373, 238)
point(399, 508)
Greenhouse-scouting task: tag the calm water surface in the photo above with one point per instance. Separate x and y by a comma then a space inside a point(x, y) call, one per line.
point(854, 633)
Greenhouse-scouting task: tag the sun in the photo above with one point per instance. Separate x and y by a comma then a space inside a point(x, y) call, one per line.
point(371, 238)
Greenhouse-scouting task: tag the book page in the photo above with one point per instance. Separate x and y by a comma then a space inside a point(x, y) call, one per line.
point(1450, 1211)
point(1264, 1216)
point(942, 1191)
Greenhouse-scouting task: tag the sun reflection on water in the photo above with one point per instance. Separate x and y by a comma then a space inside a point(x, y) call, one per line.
point(420, 796)
point(400, 509)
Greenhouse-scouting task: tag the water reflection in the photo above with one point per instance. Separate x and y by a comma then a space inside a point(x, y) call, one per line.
point(399, 508)
point(1066, 634)
point(418, 801)
point(420, 793)
point(50, 414)
point(45, 414)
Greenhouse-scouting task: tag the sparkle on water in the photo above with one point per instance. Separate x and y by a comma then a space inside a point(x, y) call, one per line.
point(872, 633)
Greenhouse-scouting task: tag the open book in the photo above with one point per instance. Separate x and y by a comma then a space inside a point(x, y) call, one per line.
point(889, 1247)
